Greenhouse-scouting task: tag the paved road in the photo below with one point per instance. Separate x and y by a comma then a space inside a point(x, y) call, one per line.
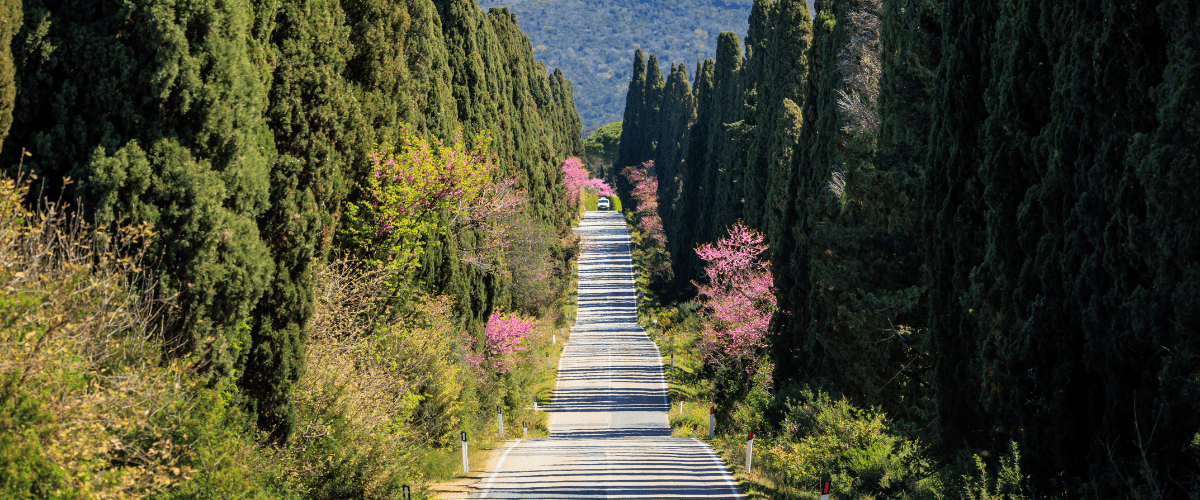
point(609, 436)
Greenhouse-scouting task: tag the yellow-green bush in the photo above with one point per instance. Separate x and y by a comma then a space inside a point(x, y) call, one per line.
point(89, 406)
point(854, 446)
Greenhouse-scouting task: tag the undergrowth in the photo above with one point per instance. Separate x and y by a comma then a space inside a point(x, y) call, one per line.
point(803, 434)
point(94, 403)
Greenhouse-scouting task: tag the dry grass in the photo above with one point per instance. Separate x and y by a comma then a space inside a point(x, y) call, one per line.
point(80, 341)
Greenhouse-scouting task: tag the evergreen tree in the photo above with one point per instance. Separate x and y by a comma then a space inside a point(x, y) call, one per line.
point(953, 203)
point(780, 92)
point(633, 137)
point(724, 158)
point(692, 201)
point(10, 22)
point(169, 129)
point(678, 112)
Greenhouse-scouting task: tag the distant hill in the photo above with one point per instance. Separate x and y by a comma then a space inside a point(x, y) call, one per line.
point(592, 41)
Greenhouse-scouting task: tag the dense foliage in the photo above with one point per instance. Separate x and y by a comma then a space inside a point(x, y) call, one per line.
point(241, 132)
point(979, 219)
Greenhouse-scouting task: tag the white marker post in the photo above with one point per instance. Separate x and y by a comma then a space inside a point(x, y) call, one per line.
point(826, 485)
point(681, 405)
point(524, 429)
point(712, 420)
point(749, 450)
point(547, 361)
point(535, 403)
point(499, 421)
point(405, 493)
point(466, 468)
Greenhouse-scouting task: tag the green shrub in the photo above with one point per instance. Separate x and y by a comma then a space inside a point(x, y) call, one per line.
point(1006, 485)
point(26, 470)
point(854, 446)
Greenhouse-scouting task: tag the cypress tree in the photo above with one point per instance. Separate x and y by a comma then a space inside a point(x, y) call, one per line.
point(11, 16)
point(690, 206)
point(678, 116)
point(723, 157)
point(781, 88)
point(953, 203)
point(169, 129)
point(632, 136)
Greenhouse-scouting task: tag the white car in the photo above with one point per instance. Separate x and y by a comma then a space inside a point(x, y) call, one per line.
point(603, 204)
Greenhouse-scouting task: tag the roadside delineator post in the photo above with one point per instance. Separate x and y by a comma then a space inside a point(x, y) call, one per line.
point(548, 361)
point(712, 420)
point(826, 486)
point(694, 430)
point(681, 405)
point(749, 450)
point(535, 403)
point(405, 493)
point(499, 421)
point(524, 429)
point(466, 468)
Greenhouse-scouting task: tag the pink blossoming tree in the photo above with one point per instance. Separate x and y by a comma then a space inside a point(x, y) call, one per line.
point(578, 180)
point(414, 183)
point(645, 192)
point(739, 297)
point(502, 339)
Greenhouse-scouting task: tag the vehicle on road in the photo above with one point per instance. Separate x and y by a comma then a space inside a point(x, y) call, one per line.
point(603, 203)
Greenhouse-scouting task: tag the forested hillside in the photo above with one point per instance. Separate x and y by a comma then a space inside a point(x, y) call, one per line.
point(243, 135)
point(591, 40)
point(980, 219)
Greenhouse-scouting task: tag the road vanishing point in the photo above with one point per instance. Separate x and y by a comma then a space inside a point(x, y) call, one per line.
point(609, 434)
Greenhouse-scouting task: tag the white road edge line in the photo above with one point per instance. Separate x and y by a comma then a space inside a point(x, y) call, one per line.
point(499, 465)
point(724, 473)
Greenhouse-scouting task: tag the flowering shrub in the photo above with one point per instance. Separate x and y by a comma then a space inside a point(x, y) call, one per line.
point(502, 339)
point(577, 180)
point(645, 192)
point(412, 182)
point(739, 298)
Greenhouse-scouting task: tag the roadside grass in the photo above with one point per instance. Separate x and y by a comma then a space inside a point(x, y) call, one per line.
point(686, 380)
point(548, 337)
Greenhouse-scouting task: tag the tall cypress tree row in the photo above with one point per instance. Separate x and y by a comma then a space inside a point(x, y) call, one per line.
point(953, 204)
point(796, 348)
point(997, 248)
point(688, 207)
point(779, 74)
point(678, 113)
point(168, 128)
point(237, 130)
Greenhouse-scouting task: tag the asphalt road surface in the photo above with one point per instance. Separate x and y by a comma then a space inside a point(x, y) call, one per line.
point(609, 436)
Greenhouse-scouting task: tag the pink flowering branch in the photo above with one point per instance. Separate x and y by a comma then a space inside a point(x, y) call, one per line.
point(577, 180)
point(502, 338)
point(645, 193)
point(414, 183)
